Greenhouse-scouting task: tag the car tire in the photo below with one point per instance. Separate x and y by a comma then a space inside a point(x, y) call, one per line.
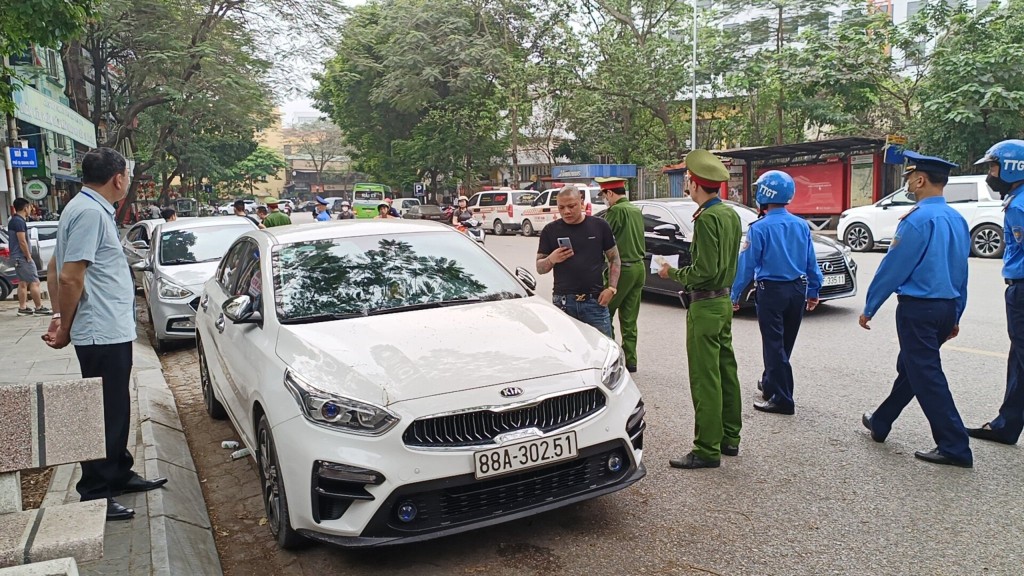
point(858, 237)
point(275, 497)
point(987, 241)
point(5, 289)
point(498, 228)
point(213, 406)
point(527, 228)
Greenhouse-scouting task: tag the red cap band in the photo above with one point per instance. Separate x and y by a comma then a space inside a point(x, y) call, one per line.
point(703, 181)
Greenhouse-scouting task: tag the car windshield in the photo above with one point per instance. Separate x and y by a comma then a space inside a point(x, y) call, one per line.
point(684, 212)
point(595, 196)
point(428, 209)
point(206, 244)
point(524, 198)
point(367, 275)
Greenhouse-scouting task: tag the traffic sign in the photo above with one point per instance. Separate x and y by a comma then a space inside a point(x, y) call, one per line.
point(23, 158)
point(896, 139)
point(418, 189)
point(35, 189)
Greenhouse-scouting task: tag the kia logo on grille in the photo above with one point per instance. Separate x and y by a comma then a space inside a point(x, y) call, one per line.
point(512, 391)
point(827, 267)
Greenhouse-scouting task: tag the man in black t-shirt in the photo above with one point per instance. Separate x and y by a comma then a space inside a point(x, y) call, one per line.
point(576, 248)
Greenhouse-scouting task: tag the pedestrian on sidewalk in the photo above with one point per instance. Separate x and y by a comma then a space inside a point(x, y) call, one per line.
point(926, 265)
point(239, 207)
point(24, 266)
point(779, 256)
point(96, 313)
point(576, 247)
point(275, 217)
point(1005, 162)
point(714, 382)
point(627, 224)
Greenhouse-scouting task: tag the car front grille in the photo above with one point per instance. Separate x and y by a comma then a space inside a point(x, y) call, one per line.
point(838, 265)
point(481, 427)
point(450, 502)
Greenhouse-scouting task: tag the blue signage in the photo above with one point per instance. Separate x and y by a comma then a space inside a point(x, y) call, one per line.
point(591, 171)
point(23, 158)
point(893, 154)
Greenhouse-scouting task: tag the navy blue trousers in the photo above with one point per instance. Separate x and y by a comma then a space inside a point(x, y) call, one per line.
point(780, 309)
point(1011, 414)
point(923, 326)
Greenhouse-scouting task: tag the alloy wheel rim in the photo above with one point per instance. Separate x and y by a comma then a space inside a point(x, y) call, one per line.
point(857, 238)
point(271, 493)
point(987, 242)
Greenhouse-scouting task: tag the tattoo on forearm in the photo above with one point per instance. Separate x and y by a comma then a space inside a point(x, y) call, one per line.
point(614, 266)
point(543, 264)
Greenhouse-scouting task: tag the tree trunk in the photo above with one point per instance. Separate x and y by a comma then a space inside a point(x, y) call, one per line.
point(778, 105)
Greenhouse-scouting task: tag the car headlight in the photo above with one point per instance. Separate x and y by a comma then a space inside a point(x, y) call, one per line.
point(843, 215)
point(168, 289)
point(614, 370)
point(339, 412)
point(847, 251)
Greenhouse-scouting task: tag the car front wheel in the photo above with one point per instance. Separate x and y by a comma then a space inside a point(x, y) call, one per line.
point(859, 238)
point(275, 500)
point(498, 228)
point(527, 228)
point(987, 241)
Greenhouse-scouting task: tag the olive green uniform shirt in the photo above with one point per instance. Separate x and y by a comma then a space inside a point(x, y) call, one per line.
point(628, 228)
point(276, 219)
point(715, 250)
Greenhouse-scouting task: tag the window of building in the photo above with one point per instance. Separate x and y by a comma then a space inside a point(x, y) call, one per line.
point(915, 55)
point(53, 64)
point(287, 149)
point(816, 21)
point(983, 4)
point(913, 8)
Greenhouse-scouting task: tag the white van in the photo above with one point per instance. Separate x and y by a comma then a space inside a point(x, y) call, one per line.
point(545, 208)
point(502, 210)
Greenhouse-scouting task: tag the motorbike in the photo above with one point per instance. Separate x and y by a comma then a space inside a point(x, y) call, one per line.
point(472, 228)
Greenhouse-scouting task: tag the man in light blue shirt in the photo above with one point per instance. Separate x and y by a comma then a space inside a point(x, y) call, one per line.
point(96, 313)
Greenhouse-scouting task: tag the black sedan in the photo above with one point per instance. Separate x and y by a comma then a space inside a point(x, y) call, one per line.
point(668, 231)
point(426, 212)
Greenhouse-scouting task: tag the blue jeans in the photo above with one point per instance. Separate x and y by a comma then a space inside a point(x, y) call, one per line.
point(587, 311)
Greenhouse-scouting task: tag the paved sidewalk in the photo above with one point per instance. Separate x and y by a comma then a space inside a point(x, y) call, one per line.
point(171, 532)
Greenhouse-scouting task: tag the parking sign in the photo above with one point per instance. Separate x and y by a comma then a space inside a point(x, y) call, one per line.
point(418, 189)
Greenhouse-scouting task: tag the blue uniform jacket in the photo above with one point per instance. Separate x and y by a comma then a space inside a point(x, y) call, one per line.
point(323, 216)
point(778, 248)
point(1013, 235)
point(927, 258)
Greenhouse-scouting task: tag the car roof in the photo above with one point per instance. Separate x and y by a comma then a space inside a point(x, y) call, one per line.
point(209, 222)
point(351, 228)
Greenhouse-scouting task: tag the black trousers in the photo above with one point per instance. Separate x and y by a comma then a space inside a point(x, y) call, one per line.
point(113, 363)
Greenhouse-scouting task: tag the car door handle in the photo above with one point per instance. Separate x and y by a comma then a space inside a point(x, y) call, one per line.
point(205, 302)
point(219, 324)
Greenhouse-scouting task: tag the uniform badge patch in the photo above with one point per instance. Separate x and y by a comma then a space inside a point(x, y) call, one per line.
point(1018, 233)
point(895, 241)
point(745, 245)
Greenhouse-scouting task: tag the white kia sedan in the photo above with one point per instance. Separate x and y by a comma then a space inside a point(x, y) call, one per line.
point(339, 351)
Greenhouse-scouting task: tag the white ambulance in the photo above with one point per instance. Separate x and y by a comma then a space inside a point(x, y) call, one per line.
point(545, 208)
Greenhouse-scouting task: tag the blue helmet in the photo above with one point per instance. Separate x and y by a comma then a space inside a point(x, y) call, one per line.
point(1010, 156)
point(774, 187)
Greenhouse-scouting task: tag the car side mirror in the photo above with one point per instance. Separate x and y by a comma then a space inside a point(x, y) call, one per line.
point(140, 245)
point(669, 230)
point(526, 278)
point(241, 310)
point(143, 266)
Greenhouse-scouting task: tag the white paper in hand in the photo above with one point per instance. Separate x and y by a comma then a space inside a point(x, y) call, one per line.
point(658, 260)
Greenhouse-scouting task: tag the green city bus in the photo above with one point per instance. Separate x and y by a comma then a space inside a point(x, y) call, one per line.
point(366, 196)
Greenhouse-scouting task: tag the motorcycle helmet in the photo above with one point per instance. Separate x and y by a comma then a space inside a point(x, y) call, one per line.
point(463, 199)
point(774, 187)
point(1010, 155)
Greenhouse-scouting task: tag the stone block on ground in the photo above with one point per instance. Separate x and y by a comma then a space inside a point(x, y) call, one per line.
point(59, 567)
point(74, 530)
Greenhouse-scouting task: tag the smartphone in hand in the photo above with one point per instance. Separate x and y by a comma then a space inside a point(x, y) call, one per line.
point(565, 243)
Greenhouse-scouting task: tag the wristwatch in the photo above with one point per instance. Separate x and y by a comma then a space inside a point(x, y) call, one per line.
point(613, 289)
point(56, 315)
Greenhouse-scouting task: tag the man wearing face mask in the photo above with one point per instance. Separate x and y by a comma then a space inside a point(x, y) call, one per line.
point(927, 267)
point(95, 312)
point(1005, 163)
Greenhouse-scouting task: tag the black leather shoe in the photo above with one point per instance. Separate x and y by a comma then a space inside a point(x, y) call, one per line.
point(631, 368)
point(140, 484)
point(728, 450)
point(773, 408)
point(987, 433)
point(866, 421)
point(936, 457)
point(117, 512)
point(691, 461)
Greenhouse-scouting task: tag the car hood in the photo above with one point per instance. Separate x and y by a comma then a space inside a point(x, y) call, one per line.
point(825, 246)
point(407, 355)
point(191, 276)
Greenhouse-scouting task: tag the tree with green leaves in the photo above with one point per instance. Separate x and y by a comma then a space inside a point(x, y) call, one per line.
point(321, 141)
point(262, 162)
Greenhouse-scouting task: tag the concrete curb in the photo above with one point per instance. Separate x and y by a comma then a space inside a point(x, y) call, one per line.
point(177, 513)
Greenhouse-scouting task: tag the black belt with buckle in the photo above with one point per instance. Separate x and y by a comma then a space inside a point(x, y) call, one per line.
point(1012, 281)
point(629, 264)
point(580, 297)
point(698, 295)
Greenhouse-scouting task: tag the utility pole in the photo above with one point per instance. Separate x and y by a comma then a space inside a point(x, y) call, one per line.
point(778, 59)
point(693, 101)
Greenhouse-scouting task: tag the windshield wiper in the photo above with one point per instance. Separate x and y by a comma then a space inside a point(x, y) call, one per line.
point(178, 261)
point(500, 296)
point(323, 318)
point(424, 306)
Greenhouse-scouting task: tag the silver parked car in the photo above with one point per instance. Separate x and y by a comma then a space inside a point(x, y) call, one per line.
point(182, 256)
point(136, 245)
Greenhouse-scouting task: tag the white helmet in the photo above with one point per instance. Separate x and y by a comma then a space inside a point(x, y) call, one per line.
point(463, 199)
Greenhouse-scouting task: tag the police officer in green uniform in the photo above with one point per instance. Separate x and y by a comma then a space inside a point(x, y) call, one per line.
point(714, 381)
point(628, 227)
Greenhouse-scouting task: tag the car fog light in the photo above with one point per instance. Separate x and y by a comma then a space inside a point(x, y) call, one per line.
point(615, 462)
point(330, 411)
point(407, 511)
